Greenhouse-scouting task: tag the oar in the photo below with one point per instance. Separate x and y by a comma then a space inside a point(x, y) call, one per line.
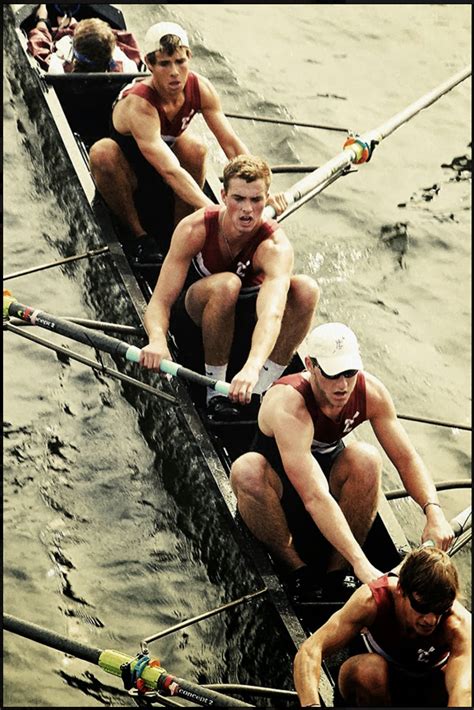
point(100, 341)
point(358, 149)
point(155, 677)
point(285, 122)
point(107, 343)
point(462, 521)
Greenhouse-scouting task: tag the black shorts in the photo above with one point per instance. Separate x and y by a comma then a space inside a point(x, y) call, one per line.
point(310, 543)
point(406, 690)
point(188, 336)
point(153, 198)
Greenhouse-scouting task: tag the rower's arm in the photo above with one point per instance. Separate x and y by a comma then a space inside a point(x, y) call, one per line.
point(186, 242)
point(333, 636)
point(458, 672)
point(270, 307)
point(293, 430)
point(401, 452)
point(144, 125)
point(218, 122)
point(276, 258)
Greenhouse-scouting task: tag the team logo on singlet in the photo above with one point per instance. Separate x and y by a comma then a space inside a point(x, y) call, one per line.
point(349, 423)
point(241, 268)
point(423, 656)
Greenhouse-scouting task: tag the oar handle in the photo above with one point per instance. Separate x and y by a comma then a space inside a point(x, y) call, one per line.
point(177, 370)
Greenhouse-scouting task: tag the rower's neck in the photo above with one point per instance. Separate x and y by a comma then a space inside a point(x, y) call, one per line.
point(233, 235)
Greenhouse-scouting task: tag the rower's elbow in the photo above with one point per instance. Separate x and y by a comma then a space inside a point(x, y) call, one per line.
point(309, 653)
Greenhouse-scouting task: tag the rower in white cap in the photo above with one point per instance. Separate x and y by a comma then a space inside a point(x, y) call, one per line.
point(305, 494)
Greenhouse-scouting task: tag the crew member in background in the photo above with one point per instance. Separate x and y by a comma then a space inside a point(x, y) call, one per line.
point(89, 45)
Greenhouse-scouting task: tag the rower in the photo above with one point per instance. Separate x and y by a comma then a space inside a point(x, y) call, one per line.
point(151, 164)
point(410, 639)
point(306, 495)
point(229, 265)
point(89, 45)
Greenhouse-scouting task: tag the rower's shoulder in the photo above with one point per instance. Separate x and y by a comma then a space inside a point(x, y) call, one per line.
point(375, 390)
point(191, 230)
point(284, 399)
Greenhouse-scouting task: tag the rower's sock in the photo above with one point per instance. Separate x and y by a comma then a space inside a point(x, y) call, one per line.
point(270, 372)
point(217, 372)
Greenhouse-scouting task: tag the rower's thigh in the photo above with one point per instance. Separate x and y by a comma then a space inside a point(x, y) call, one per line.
point(358, 461)
point(225, 287)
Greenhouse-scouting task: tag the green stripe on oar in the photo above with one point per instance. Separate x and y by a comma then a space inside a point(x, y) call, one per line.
point(360, 149)
point(100, 341)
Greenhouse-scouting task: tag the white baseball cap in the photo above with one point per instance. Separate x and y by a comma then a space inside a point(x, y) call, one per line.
point(156, 33)
point(335, 347)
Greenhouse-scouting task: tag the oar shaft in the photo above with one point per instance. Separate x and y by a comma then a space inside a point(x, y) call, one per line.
point(51, 639)
point(352, 153)
point(99, 367)
point(71, 330)
point(155, 677)
point(103, 342)
point(462, 521)
point(385, 129)
point(285, 122)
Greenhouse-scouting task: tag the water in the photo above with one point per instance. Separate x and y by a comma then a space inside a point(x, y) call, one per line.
point(103, 532)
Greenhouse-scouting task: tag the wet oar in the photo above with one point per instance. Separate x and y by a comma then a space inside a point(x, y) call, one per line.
point(154, 677)
point(100, 341)
point(358, 149)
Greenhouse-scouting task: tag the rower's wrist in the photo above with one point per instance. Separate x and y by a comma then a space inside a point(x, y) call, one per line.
point(430, 507)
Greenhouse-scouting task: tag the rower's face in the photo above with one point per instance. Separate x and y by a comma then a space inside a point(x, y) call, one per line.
point(334, 392)
point(171, 73)
point(245, 202)
point(421, 617)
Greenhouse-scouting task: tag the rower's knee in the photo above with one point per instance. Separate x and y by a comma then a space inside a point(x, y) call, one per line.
point(362, 677)
point(304, 293)
point(226, 288)
point(247, 475)
point(106, 159)
point(197, 153)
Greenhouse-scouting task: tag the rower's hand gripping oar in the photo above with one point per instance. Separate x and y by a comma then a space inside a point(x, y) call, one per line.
point(461, 523)
point(359, 149)
point(100, 341)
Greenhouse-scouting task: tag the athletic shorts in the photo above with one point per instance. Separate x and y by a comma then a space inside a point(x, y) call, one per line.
point(188, 336)
point(153, 198)
point(406, 690)
point(309, 542)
